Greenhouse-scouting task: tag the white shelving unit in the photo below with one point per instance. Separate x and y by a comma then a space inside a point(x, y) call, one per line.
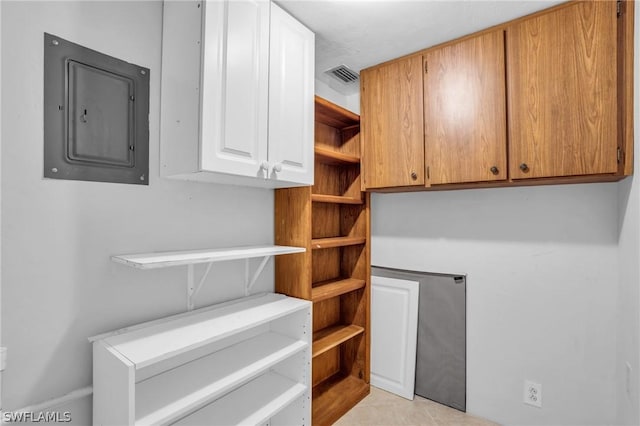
point(190, 258)
point(242, 362)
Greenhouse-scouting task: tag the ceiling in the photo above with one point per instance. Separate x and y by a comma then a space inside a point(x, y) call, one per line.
point(362, 33)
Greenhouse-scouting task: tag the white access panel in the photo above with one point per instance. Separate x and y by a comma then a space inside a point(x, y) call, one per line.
point(291, 85)
point(394, 330)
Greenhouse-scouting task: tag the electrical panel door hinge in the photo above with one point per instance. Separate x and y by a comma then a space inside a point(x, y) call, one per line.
point(619, 8)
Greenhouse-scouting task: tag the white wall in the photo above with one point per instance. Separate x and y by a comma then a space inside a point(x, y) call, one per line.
point(542, 282)
point(58, 285)
point(0, 196)
point(350, 102)
point(628, 324)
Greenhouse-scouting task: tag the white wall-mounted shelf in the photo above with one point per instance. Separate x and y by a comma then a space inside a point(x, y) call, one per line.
point(166, 370)
point(190, 258)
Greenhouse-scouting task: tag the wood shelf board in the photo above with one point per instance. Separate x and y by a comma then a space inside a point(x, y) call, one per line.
point(335, 396)
point(167, 397)
point(330, 337)
point(333, 288)
point(260, 400)
point(336, 158)
point(191, 257)
point(335, 199)
point(334, 115)
point(172, 336)
point(322, 243)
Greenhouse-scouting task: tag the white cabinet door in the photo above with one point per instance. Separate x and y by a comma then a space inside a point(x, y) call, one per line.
point(291, 107)
point(235, 78)
point(225, 63)
point(394, 331)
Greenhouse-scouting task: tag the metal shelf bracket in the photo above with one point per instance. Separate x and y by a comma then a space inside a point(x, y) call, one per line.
point(193, 289)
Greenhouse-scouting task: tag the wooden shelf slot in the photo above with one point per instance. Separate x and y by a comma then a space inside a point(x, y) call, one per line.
point(332, 288)
point(337, 158)
point(327, 112)
point(330, 337)
point(323, 243)
point(335, 396)
point(335, 199)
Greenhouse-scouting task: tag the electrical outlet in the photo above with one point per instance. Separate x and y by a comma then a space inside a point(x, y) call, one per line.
point(532, 393)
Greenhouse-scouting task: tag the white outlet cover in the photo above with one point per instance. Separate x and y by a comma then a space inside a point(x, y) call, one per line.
point(532, 393)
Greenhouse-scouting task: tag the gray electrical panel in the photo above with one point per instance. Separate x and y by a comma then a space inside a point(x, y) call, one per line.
point(96, 115)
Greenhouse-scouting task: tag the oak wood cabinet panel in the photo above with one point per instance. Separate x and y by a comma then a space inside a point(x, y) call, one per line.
point(392, 125)
point(562, 84)
point(465, 111)
point(568, 72)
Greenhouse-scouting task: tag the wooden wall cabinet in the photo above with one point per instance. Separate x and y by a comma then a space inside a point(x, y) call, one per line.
point(547, 98)
point(561, 70)
point(331, 220)
point(237, 94)
point(392, 111)
point(465, 133)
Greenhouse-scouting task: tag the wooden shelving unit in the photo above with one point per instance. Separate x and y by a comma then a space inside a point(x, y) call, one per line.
point(331, 221)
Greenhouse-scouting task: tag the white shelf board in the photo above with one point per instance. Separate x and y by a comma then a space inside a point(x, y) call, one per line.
point(252, 404)
point(166, 339)
point(167, 397)
point(191, 257)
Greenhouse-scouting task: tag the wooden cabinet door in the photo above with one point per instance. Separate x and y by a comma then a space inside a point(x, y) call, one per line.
point(561, 74)
point(392, 124)
point(465, 111)
point(235, 79)
point(291, 102)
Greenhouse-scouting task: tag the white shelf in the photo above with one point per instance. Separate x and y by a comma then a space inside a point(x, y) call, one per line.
point(243, 360)
point(252, 404)
point(167, 397)
point(160, 341)
point(191, 257)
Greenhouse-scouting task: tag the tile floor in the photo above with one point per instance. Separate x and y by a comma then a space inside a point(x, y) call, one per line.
point(381, 408)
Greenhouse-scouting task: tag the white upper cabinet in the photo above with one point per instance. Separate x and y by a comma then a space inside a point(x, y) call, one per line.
point(234, 81)
point(237, 94)
point(291, 103)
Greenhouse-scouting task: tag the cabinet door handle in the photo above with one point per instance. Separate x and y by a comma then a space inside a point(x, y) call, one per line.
point(524, 167)
point(277, 168)
point(264, 166)
point(414, 175)
point(494, 170)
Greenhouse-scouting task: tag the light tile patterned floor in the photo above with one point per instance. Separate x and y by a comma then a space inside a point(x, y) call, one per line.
point(381, 408)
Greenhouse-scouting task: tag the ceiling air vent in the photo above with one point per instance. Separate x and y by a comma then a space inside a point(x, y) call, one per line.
point(344, 74)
